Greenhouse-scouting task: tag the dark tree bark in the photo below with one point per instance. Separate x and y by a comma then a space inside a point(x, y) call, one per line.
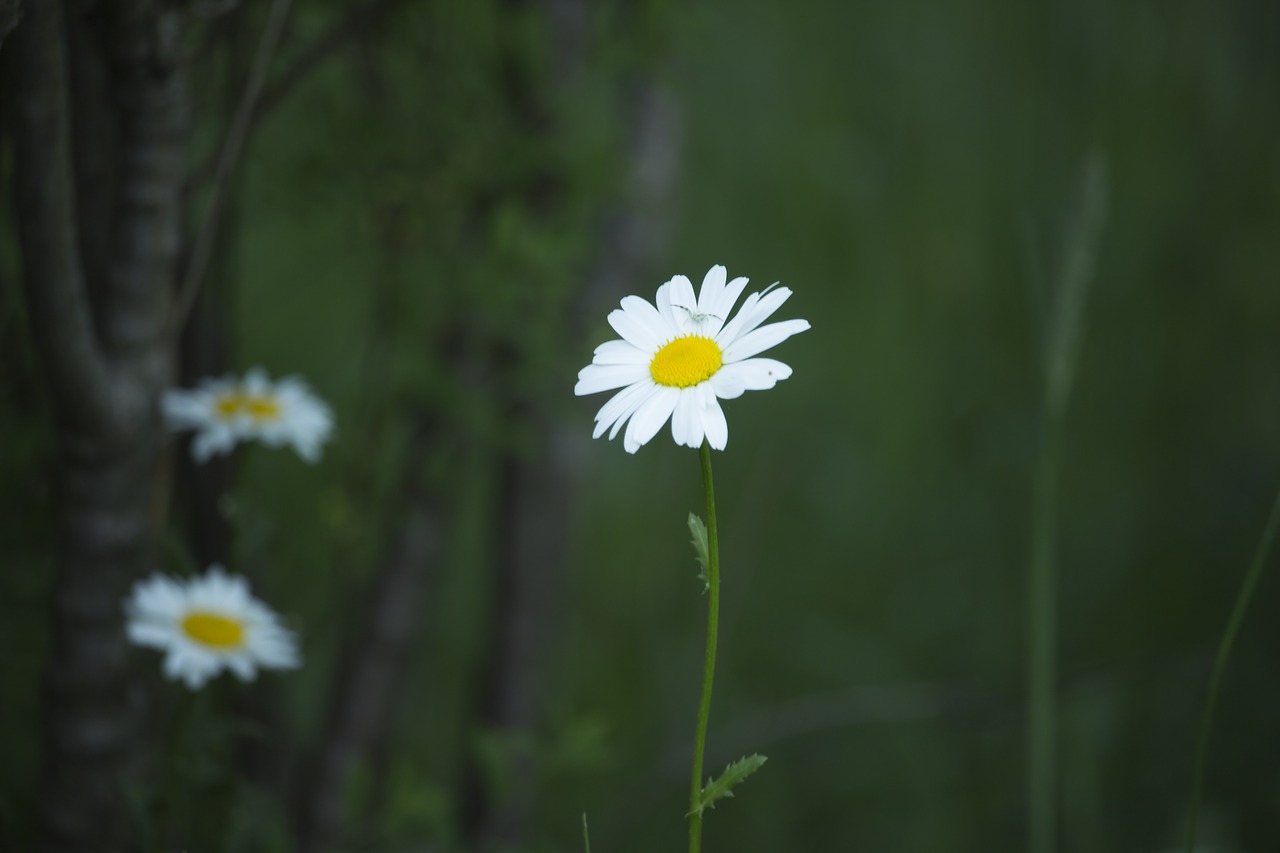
point(44, 194)
point(106, 355)
point(10, 14)
point(200, 489)
point(203, 346)
point(95, 145)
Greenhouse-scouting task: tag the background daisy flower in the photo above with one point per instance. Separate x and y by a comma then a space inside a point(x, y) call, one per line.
point(678, 359)
point(207, 624)
point(228, 410)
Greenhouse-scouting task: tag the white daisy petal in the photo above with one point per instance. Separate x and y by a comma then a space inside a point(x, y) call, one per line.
point(277, 650)
point(194, 676)
point(213, 440)
point(715, 425)
point(727, 384)
point(183, 409)
point(619, 352)
point(646, 390)
point(663, 302)
point(683, 301)
point(216, 576)
point(681, 354)
point(649, 418)
point(633, 331)
point(686, 425)
point(620, 407)
point(216, 624)
point(256, 382)
point(754, 374)
point(763, 338)
point(757, 308)
point(605, 377)
point(712, 287)
point(161, 597)
point(718, 311)
point(290, 386)
point(151, 635)
point(241, 666)
point(175, 665)
point(649, 317)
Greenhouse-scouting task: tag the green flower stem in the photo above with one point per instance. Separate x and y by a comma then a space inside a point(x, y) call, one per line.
point(709, 667)
point(1220, 664)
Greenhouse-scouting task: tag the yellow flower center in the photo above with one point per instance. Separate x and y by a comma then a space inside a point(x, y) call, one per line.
point(228, 405)
point(213, 629)
point(686, 361)
point(262, 408)
point(235, 403)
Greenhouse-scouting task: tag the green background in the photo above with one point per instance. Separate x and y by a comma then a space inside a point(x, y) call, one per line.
point(909, 170)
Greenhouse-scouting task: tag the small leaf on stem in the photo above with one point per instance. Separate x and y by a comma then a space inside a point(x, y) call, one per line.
point(718, 789)
point(702, 547)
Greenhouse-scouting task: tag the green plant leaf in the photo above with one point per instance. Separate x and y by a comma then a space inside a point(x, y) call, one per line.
point(703, 548)
point(718, 789)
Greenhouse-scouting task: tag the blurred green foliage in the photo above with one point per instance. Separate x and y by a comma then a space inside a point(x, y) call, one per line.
point(433, 198)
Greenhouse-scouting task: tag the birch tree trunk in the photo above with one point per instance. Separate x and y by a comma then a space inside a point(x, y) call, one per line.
point(98, 295)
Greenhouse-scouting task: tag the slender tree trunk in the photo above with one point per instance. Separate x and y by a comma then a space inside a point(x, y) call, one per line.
point(533, 491)
point(371, 678)
point(99, 310)
point(526, 564)
point(203, 349)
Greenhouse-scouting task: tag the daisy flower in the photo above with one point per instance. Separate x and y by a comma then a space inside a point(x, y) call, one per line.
point(678, 359)
point(207, 624)
point(229, 410)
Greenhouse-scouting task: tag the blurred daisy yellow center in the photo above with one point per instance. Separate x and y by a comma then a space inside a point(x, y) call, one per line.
point(686, 361)
point(213, 629)
point(256, 407)
point(229, 405)
point(262, 408)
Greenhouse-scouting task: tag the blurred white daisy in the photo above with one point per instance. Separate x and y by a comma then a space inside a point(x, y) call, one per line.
point(228, 410)
point(676, 359)
point(207, 624)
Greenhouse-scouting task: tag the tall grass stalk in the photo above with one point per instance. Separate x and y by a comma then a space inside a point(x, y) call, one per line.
point(1042, 676)
point(1220, 664)
point(1061, 352)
